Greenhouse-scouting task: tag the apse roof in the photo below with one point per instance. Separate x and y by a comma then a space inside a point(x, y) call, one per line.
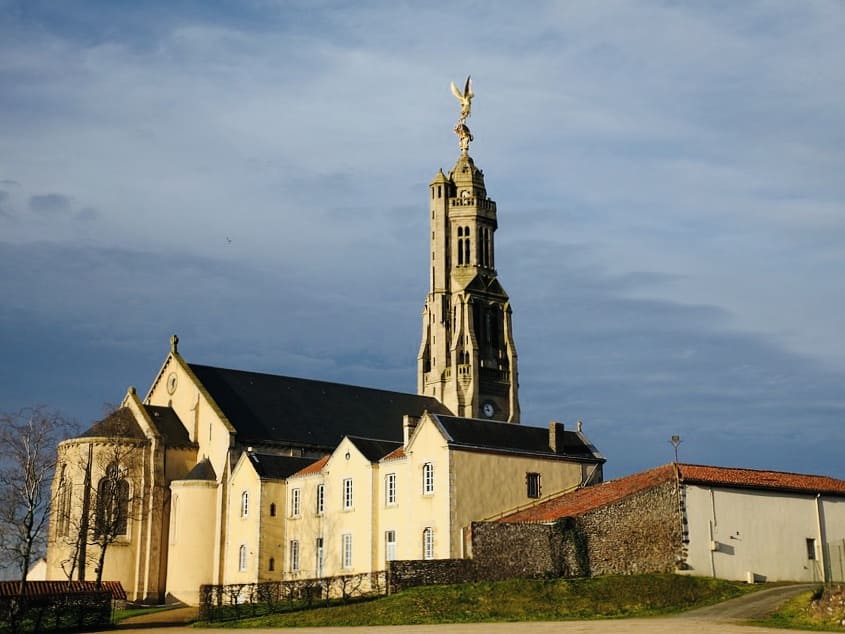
point(272, 408)
point(203, 470)
point(118, 424)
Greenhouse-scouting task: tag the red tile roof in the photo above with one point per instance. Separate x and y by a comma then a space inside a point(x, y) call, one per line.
point(396, 454)
point(314, 467)
point(592, 497)
point(755, 479)
point(40, 588)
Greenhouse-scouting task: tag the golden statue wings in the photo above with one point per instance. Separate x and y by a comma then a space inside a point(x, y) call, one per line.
point(465, 98)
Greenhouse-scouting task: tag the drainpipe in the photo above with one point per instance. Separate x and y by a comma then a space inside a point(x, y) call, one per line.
point(821, 532)
point(712, 533)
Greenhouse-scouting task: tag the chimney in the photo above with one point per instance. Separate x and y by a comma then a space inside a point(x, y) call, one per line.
point(409, 424)
point(556, 436)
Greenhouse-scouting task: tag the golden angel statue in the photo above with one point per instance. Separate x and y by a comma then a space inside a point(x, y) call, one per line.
point(465, 99)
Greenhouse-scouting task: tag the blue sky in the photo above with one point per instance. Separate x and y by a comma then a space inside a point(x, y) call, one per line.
point(253, 177)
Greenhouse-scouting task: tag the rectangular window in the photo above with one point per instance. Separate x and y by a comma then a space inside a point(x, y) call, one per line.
point(532, 482)
point(390, 489)
point(811, 548)
point(321, 498)
point(428, 478)
point(294, 555)
point(389, 545)
point(347, 494)
point(346, 556)
point(244, 504)
point(295, 503)
point(319, 550)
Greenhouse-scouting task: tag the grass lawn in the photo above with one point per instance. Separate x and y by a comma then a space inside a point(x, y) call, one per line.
point(126, 613)
point(794, 615)
point(518, 600)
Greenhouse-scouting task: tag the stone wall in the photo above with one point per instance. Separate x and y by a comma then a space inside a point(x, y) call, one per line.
point(506, 551)
point(410, 573)
point(639, 534)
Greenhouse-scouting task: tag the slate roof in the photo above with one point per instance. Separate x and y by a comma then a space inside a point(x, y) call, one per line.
point(120, 423)
point(273, 467)
point(507, 437)
point(169, 426)
point(374, 450)
point(596, 496)
point(271, 408)
point(203, 470)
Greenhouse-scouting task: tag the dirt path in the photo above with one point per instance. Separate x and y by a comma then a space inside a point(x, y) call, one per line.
point(751, 606)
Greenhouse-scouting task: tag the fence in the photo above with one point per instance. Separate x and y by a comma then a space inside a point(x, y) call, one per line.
point(245, 600)
point(59, 612)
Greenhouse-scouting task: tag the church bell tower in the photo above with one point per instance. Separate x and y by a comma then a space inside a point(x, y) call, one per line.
point(467, 357)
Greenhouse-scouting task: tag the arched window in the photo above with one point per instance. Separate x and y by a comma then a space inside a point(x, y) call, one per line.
point(242, 557)
point(428, 478)
point(272, 513)
point(272, 564)
point(428, 543)
point(112, 504)
point(460, 246)
point(466, 246)
point(244, 503)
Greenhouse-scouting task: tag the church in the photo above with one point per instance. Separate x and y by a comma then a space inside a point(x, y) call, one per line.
point(218, 476)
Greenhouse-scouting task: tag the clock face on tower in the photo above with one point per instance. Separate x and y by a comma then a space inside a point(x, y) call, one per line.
point(488, 409)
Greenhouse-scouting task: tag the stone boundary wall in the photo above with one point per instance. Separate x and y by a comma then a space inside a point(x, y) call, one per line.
point(639, 534)
point(506, 551)
point(410, 573)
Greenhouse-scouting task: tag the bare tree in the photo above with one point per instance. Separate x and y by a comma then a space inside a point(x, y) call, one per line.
point(28, 440)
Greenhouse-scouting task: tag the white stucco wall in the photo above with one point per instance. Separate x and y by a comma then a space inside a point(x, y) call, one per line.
point(734, 532)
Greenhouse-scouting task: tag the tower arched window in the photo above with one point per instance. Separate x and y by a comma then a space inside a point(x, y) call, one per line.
point(466, 246)
point(460, 246)
point(488, 242)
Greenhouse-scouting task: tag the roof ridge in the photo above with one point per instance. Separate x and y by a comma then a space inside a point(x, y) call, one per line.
point(754, 469)
point(300, 378)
